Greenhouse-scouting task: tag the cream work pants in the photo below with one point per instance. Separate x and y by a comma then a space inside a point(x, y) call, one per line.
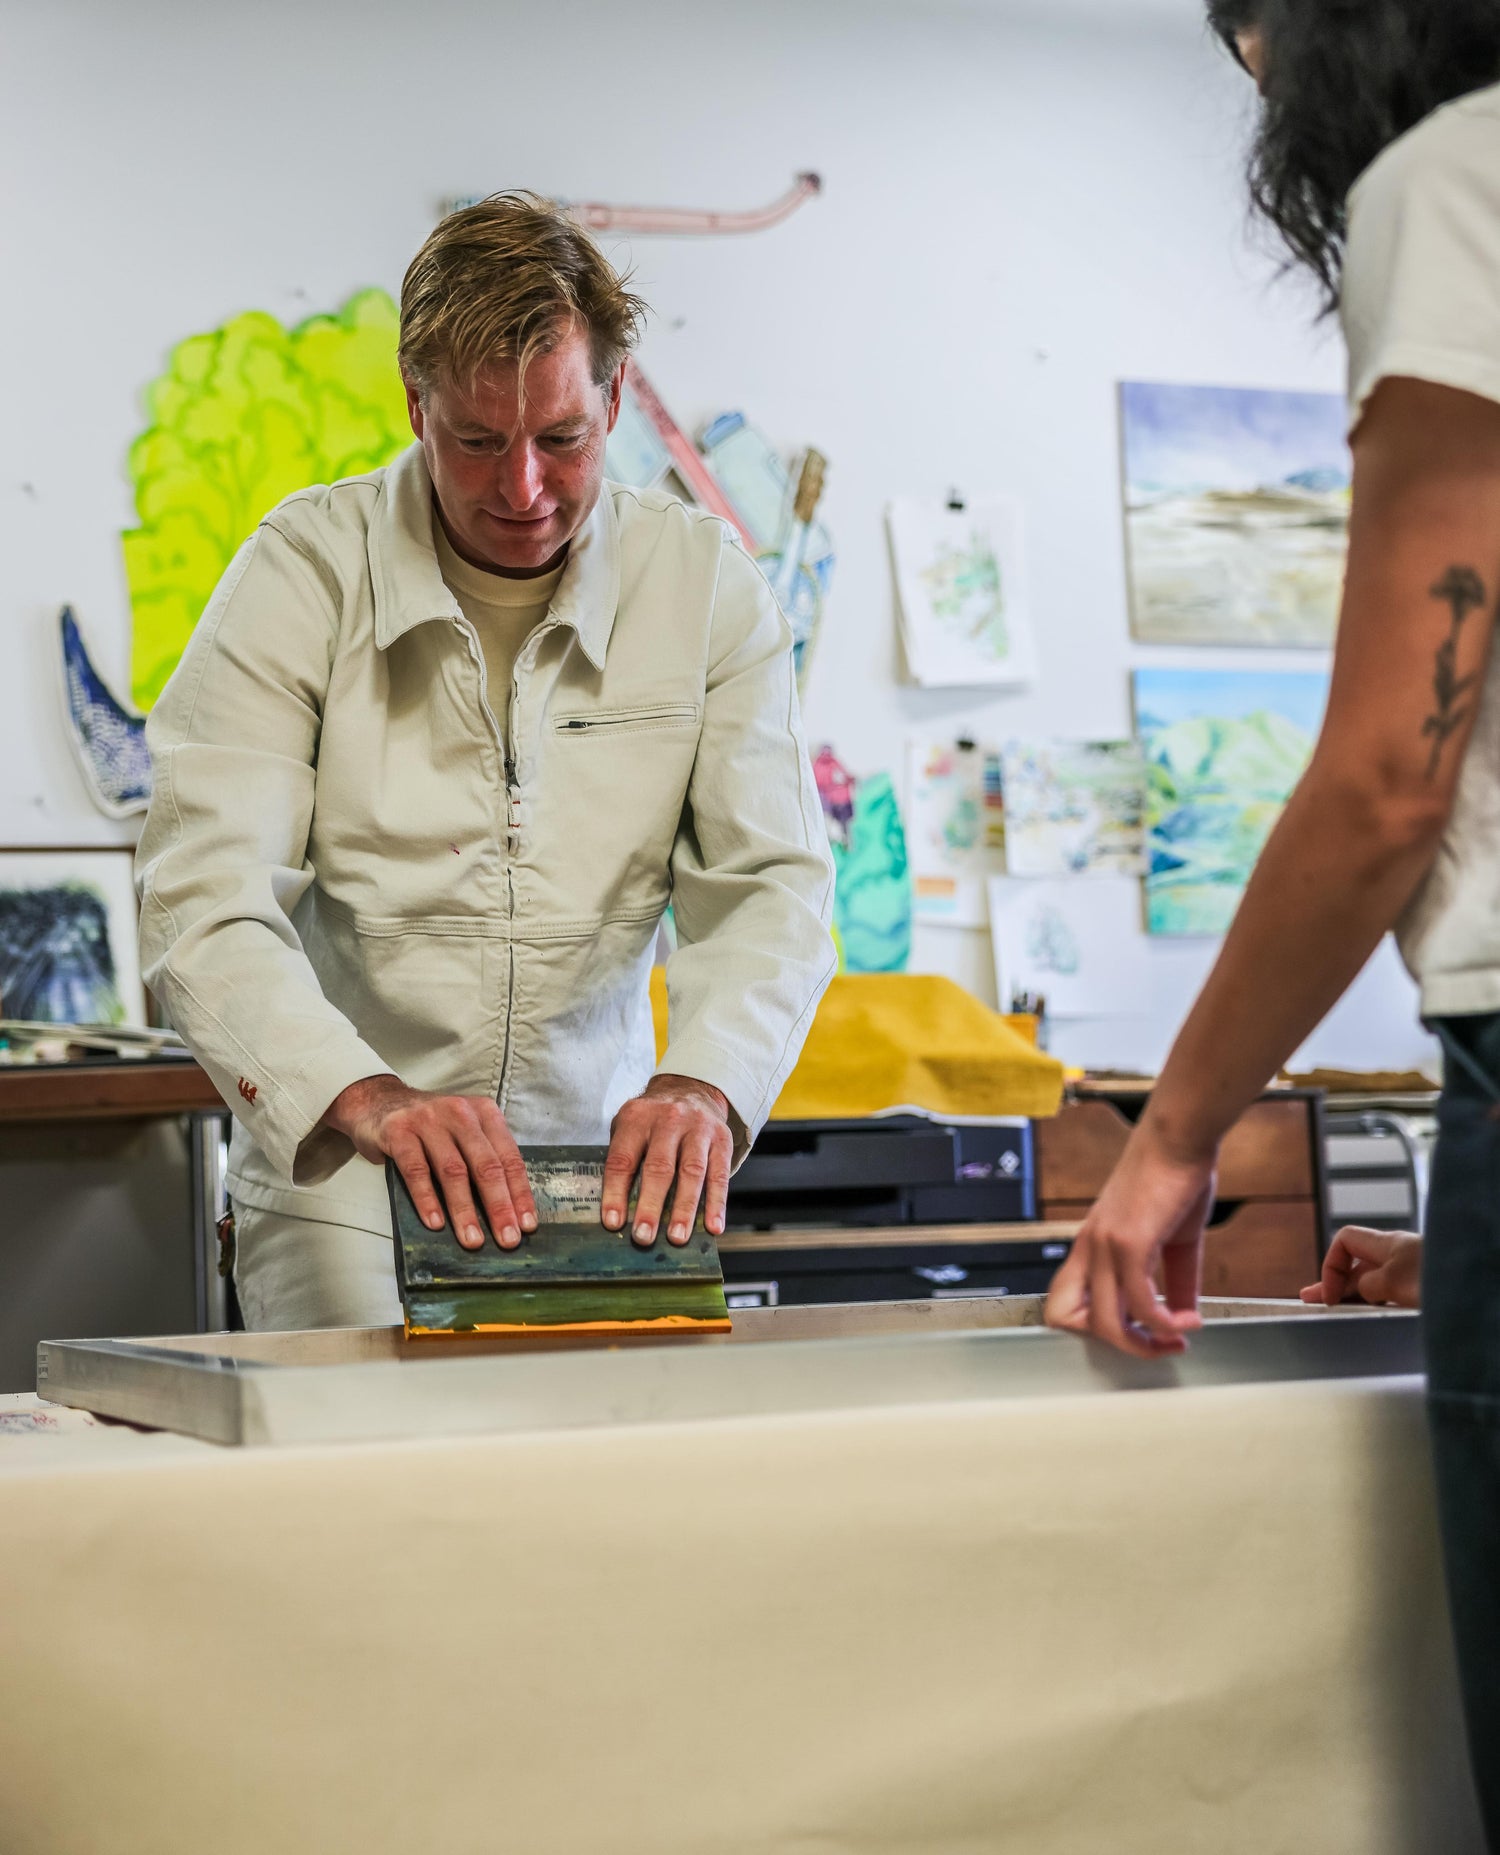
point(291, 1274)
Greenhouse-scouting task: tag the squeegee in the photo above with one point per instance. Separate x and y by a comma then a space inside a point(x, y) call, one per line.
point(570, 1275)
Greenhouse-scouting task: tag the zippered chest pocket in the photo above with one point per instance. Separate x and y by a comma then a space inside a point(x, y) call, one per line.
point(627, 721)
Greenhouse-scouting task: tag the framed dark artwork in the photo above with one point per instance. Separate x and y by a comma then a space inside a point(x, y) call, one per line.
point(68, 951)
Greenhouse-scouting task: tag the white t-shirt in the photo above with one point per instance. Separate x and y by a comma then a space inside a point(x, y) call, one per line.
point(1421, 300)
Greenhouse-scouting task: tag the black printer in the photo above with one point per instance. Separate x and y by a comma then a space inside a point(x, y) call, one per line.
point(887, 1169)
point(809, 1189)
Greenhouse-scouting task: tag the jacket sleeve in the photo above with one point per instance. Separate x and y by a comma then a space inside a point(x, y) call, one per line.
point(222, 861)
point(752, 875)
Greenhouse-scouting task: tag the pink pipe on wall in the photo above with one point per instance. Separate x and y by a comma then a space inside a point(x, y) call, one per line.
point(673, 220)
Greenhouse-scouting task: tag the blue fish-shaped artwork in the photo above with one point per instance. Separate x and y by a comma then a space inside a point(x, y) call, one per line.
point(108, 738)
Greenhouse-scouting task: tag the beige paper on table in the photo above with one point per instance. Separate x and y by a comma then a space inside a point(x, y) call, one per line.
point(1158, 1623)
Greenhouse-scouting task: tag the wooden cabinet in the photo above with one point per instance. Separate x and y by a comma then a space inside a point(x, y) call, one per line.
point(1269, 1226)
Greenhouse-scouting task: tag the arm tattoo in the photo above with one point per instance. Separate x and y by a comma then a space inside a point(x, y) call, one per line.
point(1463, 591)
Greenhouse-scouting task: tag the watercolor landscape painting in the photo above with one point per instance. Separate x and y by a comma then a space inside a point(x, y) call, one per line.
point(1223, 751)
point(1074, 808)
point(1236, 514)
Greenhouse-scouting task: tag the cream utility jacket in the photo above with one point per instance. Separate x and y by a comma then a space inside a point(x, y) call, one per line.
point(342, 873)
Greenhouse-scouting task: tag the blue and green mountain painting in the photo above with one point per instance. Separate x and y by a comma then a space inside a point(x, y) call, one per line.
point(1223, 751)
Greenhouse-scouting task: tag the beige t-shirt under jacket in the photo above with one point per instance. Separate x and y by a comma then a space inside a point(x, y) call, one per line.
point(503, 611)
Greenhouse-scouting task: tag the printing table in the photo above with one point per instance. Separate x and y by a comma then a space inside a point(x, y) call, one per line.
point(882, 1579)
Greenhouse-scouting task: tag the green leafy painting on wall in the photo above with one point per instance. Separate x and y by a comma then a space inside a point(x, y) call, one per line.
point(243, 416)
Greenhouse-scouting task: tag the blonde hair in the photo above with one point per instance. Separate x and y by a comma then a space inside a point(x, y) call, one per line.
point(504, 280)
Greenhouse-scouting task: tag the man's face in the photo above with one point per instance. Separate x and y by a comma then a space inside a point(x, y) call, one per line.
point(516, 482)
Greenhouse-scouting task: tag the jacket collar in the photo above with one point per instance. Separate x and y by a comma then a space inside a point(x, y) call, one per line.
point(410, 589)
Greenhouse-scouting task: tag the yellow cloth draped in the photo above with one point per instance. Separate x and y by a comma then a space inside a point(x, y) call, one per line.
point(906, 1040)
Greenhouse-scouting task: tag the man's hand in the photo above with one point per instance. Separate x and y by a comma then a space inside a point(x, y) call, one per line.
point(1383, 1267)
point(678, 1129)
point(1149, 1216)
point(452, 1142)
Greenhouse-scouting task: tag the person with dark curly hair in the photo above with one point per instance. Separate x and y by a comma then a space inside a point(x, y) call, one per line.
point(1377, 160)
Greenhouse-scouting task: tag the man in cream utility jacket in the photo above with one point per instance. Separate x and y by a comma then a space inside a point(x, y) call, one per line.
point(399, 906)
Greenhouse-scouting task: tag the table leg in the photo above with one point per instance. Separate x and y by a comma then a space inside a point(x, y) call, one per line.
point(207, 1156)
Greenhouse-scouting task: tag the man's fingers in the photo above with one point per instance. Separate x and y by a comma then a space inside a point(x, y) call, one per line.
point(489, 1176)
point(450, 1148)
point(692, 1173)
point(658, 1169)
point(716, 1196)
point(518, 1186)
point(627, 1146)
point(452, 1172)
point(658, 1139)
point(411, 1162)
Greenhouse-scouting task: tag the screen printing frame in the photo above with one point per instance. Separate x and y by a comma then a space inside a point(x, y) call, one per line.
point(347, 1385)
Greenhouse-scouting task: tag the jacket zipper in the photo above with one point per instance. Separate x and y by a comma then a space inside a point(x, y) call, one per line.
point(512, 845)
point(512, 832)
point(512, 849)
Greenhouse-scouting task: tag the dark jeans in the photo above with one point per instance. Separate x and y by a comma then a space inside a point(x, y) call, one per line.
point(1461, 1321)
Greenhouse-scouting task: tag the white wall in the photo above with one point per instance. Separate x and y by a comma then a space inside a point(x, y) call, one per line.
point(1024, 203)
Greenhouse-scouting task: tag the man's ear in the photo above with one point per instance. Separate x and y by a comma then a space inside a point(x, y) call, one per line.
point(413, 404)
point(615, 390)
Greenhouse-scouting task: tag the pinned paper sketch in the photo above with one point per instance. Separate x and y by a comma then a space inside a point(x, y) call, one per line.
point(243, 416)
point(872, 890)
point(956, 833)
point(68, 939)
point(1223, 751)
point(961, 581)
point(1237, 514)
point(1074, 808)
point(1077, 945)
point(778, 512)
point(108, 739)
